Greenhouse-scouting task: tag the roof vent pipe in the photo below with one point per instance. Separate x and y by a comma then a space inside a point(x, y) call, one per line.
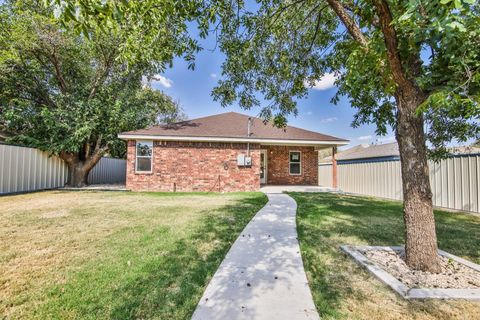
point(248, 135)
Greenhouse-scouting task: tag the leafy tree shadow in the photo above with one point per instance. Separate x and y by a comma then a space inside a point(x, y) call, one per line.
point(325, 221)
point(170, 287)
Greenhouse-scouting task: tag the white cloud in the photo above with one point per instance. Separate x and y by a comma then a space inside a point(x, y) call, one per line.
point(213, 75)
point(308, 113)
point(327, 120)
point(362, 138)
point(163, 81)
point(386, 139)
point(325, 83)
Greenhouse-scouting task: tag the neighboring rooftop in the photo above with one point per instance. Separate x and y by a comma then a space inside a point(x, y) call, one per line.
point(387, 150)
point(232, 125)
point(372, 151)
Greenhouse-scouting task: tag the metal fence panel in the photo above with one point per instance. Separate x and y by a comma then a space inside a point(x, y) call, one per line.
point(325, 175)
point(108, 170)
point(455, 181)
point(27, 169)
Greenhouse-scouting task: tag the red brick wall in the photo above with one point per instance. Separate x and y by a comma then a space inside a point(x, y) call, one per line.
point(195, 166)
point(278, 166)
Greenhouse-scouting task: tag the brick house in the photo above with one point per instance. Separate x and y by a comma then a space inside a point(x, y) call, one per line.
point(223, 153)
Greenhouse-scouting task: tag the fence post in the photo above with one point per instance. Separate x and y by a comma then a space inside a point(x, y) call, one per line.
point(334, 168)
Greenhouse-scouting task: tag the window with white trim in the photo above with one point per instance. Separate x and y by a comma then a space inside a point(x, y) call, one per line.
point(144, 152)
point(295, 164)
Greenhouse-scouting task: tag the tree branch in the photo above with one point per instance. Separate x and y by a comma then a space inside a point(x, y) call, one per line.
point(58, 73)
point(354, 9)
point(317, 27)
point(98, 152)
point(349, 23)
point(101, 75)
point(98, 143)
point(391, 43)
point(87, 150)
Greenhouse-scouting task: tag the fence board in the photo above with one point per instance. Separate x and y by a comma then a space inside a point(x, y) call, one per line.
point(108, 170)
point(27, 169)
point(454, 181)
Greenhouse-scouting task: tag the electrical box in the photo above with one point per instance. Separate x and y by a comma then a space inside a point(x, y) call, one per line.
point(241, 160)
point(244, 161)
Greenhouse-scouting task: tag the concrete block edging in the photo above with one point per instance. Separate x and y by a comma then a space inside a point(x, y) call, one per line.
point(401, 289)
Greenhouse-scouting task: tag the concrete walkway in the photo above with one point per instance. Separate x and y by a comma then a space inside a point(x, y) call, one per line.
point(262, 276)
point(298, 188)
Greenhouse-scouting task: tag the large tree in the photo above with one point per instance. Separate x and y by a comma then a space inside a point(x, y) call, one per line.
point(410, 65)
point(68, 95)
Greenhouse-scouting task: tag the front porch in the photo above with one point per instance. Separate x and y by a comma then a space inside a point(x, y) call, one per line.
point(294, 166)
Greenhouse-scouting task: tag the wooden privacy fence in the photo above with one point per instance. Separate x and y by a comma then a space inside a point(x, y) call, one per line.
point(454, 181)
point(27, 169)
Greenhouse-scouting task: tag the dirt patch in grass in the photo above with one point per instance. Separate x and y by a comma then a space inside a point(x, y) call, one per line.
point(115, 255)
point(343, 290)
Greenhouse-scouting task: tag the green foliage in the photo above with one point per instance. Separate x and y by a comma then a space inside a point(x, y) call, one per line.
point(150, 30)
point(279, 48)
point(63, 93)
point(275, 47)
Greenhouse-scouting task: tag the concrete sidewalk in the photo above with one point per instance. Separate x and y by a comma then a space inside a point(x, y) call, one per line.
point(262, 276)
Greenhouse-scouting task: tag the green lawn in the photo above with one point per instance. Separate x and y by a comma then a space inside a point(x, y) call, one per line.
point(341, 289)
point(114, 255)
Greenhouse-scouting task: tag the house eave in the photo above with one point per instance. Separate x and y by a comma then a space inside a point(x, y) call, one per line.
point(295, 142)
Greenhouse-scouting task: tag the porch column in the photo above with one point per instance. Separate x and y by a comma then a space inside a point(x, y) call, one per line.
point(334, 167)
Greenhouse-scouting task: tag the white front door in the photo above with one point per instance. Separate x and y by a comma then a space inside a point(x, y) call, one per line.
point(263, 166)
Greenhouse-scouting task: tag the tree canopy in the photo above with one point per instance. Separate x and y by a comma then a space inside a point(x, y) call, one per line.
point(68, 95)
point(280, 48)
point(410, 65)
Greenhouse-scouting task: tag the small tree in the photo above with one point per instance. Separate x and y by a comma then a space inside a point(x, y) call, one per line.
point(68, 95)
point(410, 65)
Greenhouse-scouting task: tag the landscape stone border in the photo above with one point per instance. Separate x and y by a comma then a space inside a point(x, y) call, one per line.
point(403, 290)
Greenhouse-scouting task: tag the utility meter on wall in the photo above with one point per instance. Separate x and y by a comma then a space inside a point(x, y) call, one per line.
point(244, 161)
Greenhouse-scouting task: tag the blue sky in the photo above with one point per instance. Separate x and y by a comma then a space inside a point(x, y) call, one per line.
point(192, 89)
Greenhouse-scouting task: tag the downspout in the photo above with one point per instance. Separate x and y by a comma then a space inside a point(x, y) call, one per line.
point(248, 134)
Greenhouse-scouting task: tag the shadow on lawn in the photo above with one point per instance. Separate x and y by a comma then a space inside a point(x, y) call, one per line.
point(149, 276)
point(326, 220)
point(170, 287)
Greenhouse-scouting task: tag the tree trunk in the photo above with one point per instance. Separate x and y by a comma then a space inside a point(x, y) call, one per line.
point(421, 252)
point(77, 174)
point(78, 169)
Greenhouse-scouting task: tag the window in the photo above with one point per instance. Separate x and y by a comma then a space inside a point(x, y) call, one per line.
point(295, 163)
point(144, 156)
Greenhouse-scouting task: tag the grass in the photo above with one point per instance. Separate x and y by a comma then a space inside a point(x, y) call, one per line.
point(114, 255)
point(340, 288)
